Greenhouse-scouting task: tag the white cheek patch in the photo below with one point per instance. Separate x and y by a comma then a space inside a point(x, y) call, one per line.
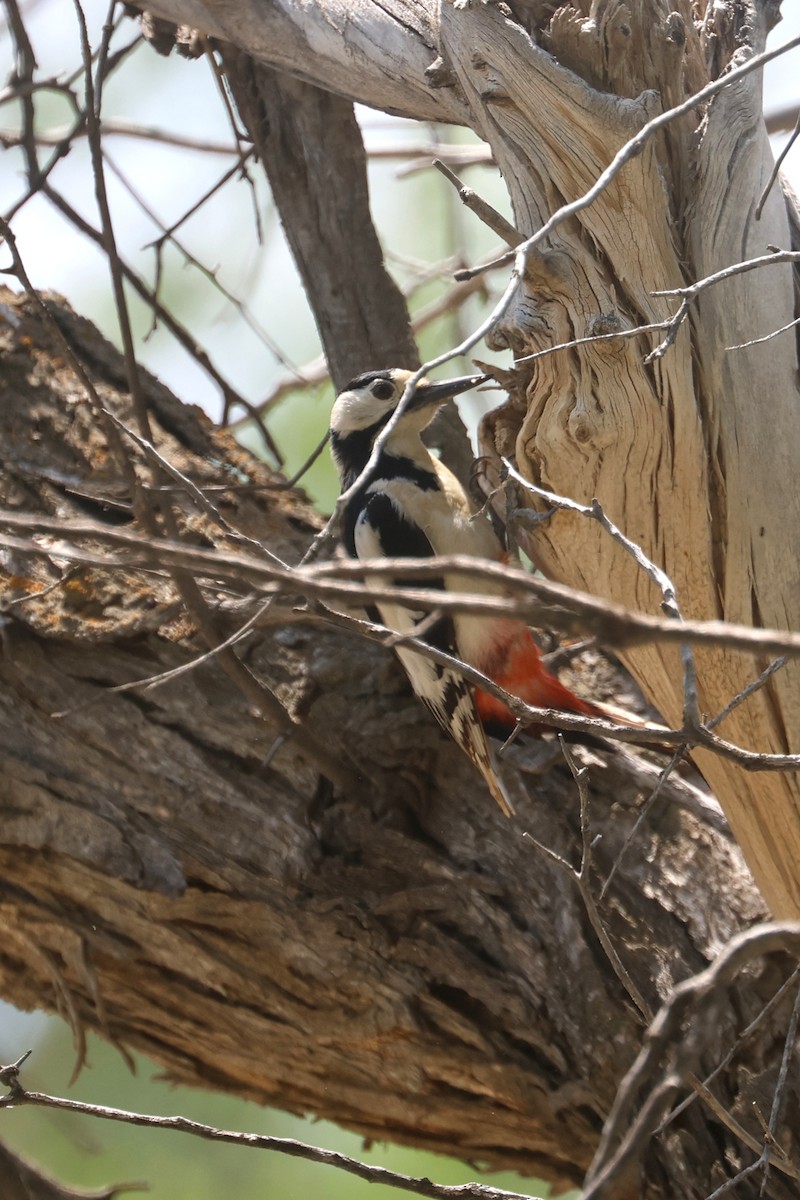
point(354, 411)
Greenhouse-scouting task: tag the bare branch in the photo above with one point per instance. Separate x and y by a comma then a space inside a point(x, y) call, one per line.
point(119, 127)
point(691, 291)
point(483, 210)
point(539, 601)
point(18, 1096)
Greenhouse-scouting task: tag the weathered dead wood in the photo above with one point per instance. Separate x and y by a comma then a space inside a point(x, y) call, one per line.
point(400, 960)
point(681, 453)
point(383, 55)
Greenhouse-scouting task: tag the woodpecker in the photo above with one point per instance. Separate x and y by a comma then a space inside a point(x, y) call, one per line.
point(410, 505)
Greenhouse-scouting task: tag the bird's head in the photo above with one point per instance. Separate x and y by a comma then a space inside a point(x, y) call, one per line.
point(365, 406)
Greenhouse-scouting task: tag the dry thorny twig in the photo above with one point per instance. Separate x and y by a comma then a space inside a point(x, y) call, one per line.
point(18, 1096)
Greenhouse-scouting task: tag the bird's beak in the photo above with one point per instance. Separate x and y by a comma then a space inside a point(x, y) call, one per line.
point(427, 393)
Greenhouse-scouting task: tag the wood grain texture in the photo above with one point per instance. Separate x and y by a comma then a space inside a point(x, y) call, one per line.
point(397, 958)
point(689, 455)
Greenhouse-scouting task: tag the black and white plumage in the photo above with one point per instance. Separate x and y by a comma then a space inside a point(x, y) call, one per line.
point(410, 505)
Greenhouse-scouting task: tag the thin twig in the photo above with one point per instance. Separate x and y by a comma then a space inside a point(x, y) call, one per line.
point(119, 127)
point(19, 1096)
point(294, 479)
point(780, 1086)
point(195, 493)
point(312, 375)
point(482, 209)
point(239, 134)
point(615, 335)
point(669, 602)
point(178, 331)
point(680, 753)
point(761, 1016)
point(168, 234)
point(151, 682)
point(646, 809)
point(767, 337)
point(773, 175)
point(93, 103)
point(634, 1139)
point(730, 1184)
point(747, 692)
point(691, 291)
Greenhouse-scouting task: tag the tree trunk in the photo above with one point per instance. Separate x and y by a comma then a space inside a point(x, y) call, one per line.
point(678, 451)
point(410, 965)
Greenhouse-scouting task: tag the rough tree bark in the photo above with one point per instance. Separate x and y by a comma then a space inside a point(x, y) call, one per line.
point(405, 960)
point(409, 964)
point(677, 452)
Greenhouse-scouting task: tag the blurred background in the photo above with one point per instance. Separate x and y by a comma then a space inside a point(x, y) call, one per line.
point(231, 281)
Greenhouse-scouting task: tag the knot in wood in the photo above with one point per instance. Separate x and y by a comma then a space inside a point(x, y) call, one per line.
point(601, 325)
point(675, 30)
point(440, 75)
point(586, 426)
point(580, 428)
point(507, 338)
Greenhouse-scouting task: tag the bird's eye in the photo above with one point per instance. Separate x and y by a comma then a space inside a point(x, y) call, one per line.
point(382, 389)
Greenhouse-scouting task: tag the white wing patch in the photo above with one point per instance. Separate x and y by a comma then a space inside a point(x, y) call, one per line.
point(445, 693)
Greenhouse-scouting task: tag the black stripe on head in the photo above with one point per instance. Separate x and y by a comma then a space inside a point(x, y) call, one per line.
point(362, 381)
